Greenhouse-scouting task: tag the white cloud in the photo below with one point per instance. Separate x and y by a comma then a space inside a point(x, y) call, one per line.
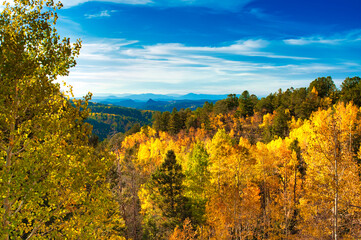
point(251, 48)
point(72, 3)
point(216, 4)
point(312, 40)
point(347, 37)
point(102, 14)
point(118, 66)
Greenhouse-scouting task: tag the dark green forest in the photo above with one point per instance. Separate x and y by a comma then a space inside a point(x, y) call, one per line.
point(108, 120)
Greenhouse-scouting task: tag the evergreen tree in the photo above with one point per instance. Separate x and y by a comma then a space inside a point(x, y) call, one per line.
point(221, 107)
point(232, 102)
point(164, 123)
point(157, 121)
point(247, 104)
point(280, 125)
point(168, 183)
point(174, 124)
point(265, 105)
point(351, 90)
point(324, 86)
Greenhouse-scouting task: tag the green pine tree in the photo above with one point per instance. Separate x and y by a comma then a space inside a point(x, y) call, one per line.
point(168, 180)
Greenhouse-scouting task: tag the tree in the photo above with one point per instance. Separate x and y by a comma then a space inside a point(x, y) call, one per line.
point(126, 180)
point(265, 105)
point(221, 107)
point(174, 124)
point(134, 129)
point(280, 125)
point(330, 206)
point(351, 90)
point(168, 195)
point(247, 104)
point(324, 86)
point(233, 207)
point(197, 179)
point(157, 121)
point(52, 183)
point(169, 181)
point(232, 101)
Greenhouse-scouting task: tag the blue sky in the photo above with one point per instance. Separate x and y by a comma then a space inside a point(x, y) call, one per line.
point(210, 46)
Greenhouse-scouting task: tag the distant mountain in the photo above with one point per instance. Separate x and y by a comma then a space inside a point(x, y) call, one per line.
point(193, 96)
point(158, 102)
point(146, 96)
point(135, 97)
point(128, 103)
point(158, 97)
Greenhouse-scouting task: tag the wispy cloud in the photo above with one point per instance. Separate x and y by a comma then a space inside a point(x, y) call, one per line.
point(72, 3)
point(240, 47)
point(102, 14)
point(347, 37)
point(216, 4)
point(259, 13)
point(125, 66)
point(312, 40)
point(251, 48)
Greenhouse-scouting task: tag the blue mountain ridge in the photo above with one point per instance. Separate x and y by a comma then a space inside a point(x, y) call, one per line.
point(158, 102)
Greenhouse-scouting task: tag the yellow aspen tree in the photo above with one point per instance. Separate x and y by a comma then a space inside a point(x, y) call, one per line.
point(286, 189)
point(185, 233)
point(330, 204)
point(50, 178)
point(269, 184)
point(229, 211)
point(219, 149)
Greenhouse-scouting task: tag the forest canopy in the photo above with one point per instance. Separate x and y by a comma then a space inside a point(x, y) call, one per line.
point(242, 180)
point(286, 166)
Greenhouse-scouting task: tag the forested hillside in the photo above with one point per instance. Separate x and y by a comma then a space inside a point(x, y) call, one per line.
point(299, 103)
point(283, 167)
point(261, 119)
point(158, 102)
point(108, 120)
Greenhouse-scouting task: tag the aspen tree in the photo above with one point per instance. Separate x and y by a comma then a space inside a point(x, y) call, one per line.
point(329, 205)
point(50, 178)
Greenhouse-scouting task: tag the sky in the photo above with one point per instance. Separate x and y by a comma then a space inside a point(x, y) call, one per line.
point(210, 46)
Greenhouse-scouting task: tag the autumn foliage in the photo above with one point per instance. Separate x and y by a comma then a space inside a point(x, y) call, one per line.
point(286, 166)
point(303, 186)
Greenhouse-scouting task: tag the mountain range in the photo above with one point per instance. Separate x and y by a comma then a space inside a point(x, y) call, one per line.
point(158, 102)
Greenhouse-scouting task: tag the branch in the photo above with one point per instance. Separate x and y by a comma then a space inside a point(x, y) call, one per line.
point(19, 208)
point(22, 149)
point(42, 221)
point(34, 230)
point(2, 147)
point(354, 206)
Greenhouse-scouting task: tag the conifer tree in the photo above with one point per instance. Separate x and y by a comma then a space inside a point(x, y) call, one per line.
point(167, 186)
point(168, 180)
